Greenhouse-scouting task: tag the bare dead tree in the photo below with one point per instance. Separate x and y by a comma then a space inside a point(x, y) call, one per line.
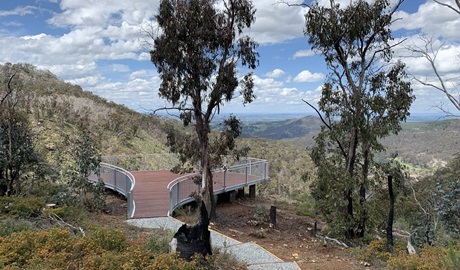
point(430, 52)
point(452, 7)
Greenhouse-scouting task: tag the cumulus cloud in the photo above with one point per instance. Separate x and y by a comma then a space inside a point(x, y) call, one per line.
point(307, 76)
point(432, 19)
point(277, 22)
point(276, 73)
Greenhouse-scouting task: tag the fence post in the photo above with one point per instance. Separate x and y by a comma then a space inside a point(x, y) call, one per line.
point(115, 178)
point(225, 178)
point(246, 175)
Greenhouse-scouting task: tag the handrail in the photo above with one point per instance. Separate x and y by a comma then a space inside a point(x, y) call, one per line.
point(111, 176)
point(251, 172)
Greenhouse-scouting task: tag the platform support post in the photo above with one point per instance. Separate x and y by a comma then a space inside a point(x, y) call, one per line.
point(240, 193)
point(252, 191)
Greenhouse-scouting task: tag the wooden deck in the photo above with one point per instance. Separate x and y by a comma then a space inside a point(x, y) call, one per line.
point(151, 195)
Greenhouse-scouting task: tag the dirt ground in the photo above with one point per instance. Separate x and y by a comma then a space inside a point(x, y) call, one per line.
point(290, 239)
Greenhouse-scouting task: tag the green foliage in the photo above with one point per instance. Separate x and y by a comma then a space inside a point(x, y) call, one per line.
point(69, 213)
point(288, 164)
point(261, 214)
point(206, 77)
point(158, 244)
point(362, 100)
point(9, 226)
point(86, 155)
point(305, 205)
point(17, 154)
point(447, 194)
point(22, 207)
point(102, 248)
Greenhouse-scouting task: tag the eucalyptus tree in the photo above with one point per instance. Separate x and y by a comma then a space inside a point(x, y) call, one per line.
point(197, 53)
point(17, 154)
point(364, 98)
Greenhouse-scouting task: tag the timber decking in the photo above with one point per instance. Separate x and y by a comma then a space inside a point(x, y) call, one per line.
point(151, 194)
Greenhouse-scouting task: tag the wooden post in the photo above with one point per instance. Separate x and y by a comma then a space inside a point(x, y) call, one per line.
point(233, 195)
point(240, 193)
point(273, 216)
point(252, 191)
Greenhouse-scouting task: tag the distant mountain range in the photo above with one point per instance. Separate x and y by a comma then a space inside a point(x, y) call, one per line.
point(282, 129)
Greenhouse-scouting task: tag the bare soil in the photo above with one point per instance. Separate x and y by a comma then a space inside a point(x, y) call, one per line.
point(290, 240)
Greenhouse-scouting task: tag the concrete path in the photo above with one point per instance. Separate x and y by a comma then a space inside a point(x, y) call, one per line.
point(252, 254)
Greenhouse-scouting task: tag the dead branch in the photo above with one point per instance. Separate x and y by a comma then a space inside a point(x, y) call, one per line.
point(450, 6)
point(327, 238)
point(9, 89)
point(58, 220)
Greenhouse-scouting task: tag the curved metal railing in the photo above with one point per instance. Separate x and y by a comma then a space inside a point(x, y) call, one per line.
point(249, 171)
point(118, 179)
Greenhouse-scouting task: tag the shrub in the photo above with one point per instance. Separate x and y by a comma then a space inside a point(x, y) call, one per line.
point(159, 243)
point(71, 214)
point(21, 206)
point(261, 213)
point(429, 257)
point(9, 226)
point(172, 262)
point(305, 205)
point(106, 239)
point(49, 247)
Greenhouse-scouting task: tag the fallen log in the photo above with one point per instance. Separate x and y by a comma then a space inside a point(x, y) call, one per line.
point(193, 239)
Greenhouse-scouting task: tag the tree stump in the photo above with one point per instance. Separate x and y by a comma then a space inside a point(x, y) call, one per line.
point(193, 239)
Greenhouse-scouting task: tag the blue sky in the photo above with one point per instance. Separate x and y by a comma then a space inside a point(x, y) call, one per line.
point(96, 44)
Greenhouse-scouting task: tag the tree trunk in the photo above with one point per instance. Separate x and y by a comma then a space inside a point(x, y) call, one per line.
point(207, 187)
point(362, 197)
point(350, 230)
point(193, 239)
point(351, 158)
point(389, 229)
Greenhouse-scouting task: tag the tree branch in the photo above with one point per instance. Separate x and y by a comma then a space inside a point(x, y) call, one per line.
point(430, 54)
point(449, 6)
point(327, 125)
point(9, 89)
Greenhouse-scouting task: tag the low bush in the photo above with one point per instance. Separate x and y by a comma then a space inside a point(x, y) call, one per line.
point(9, 226)
point(71, 214)
point(429, 257)
point(101, 248)
point(23, 207)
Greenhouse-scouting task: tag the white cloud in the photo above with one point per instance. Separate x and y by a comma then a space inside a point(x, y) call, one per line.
point(307, 76)
point(18, 11)
point(276, 73)
point(303, 53)
point(432, 19)
point(277, 22)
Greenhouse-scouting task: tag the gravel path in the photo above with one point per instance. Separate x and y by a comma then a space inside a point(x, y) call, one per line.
point(253, 255)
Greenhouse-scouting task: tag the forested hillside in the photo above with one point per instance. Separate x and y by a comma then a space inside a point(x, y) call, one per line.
point(58, 125)
point(423, 146)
